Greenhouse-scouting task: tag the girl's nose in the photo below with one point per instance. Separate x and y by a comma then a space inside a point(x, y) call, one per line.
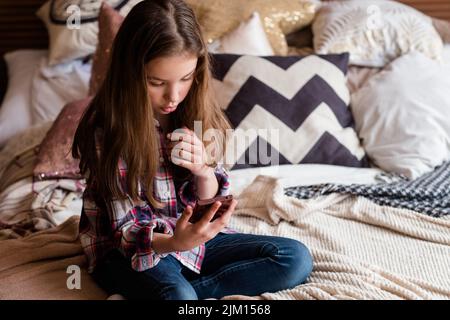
point(173, 95)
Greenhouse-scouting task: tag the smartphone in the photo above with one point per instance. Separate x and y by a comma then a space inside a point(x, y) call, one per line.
point(202, 206)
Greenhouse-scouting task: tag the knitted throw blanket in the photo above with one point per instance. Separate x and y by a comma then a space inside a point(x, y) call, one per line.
point(429, 194)
point(361, 250)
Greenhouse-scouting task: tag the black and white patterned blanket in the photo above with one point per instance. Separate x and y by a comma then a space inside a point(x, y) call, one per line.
point(429, 194)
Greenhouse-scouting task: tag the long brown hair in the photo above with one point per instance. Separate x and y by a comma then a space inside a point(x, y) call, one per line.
point(122, 108)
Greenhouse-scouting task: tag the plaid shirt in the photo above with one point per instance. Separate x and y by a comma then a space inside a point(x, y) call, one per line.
point(130, 226)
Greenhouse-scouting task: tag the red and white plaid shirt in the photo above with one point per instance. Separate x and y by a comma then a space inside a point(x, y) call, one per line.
point(130, 226)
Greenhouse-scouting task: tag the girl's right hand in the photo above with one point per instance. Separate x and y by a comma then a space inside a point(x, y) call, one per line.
point(190, 235)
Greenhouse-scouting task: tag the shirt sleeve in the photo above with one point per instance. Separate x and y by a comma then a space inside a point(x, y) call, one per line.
point(134, 229)
point(188, 192)
point(128, 227)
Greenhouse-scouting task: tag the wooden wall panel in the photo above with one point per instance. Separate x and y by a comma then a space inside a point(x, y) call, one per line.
point(435, 8)
point(19, 28)
point(19, 25)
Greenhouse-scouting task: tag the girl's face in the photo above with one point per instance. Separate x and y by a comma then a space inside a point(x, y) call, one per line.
point(169, 80)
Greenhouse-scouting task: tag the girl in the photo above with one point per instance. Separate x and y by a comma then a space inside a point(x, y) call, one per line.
point(143, 176)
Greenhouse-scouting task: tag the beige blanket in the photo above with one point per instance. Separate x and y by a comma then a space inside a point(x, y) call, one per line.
point(360, 250)
point(35, 267)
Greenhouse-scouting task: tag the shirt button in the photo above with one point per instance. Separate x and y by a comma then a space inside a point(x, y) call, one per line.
point(161, 159)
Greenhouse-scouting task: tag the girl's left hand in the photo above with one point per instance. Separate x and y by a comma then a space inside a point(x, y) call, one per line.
point(187, 150)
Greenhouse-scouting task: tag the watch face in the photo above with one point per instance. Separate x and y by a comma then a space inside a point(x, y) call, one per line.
point(88, 9)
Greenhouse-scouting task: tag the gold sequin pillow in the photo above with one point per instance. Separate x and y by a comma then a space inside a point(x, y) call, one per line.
point(279, 17)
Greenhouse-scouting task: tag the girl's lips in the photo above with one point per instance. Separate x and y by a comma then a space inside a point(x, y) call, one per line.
point(168, 109)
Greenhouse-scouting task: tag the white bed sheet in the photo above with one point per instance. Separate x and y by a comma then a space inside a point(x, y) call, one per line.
point(303, 174)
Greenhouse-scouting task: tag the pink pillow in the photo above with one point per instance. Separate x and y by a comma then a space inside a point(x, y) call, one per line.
point(54, 159)
point(109, 21)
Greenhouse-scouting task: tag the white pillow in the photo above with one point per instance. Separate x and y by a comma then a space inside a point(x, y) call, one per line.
point(37, 92)
point(71, 40)
point(402, 115)
point(374, 32)
point(249, 38)
point(53, 87)
point(15, 111)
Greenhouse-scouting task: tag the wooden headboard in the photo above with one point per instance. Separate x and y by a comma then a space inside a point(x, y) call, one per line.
point(20, 28)
point(19, 25)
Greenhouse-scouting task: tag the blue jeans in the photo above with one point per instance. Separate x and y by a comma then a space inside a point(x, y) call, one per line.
point(234, 264)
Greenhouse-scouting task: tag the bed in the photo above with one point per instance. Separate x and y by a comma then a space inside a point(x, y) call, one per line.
point(361, 249)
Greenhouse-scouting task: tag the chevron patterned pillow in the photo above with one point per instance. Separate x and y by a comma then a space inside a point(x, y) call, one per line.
point(286, 110)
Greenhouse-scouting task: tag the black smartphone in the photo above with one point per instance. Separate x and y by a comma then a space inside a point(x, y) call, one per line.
point(202, 206)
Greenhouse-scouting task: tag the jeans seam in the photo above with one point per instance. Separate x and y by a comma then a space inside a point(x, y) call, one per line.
point(234, 244)
point(253, 242)
point(274, 244)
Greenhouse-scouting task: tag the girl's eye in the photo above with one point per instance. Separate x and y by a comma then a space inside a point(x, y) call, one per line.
point(160, 84)
point(154, 84)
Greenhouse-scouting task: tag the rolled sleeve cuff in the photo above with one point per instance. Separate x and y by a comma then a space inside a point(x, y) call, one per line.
point(223, 179)
point(188, 192)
